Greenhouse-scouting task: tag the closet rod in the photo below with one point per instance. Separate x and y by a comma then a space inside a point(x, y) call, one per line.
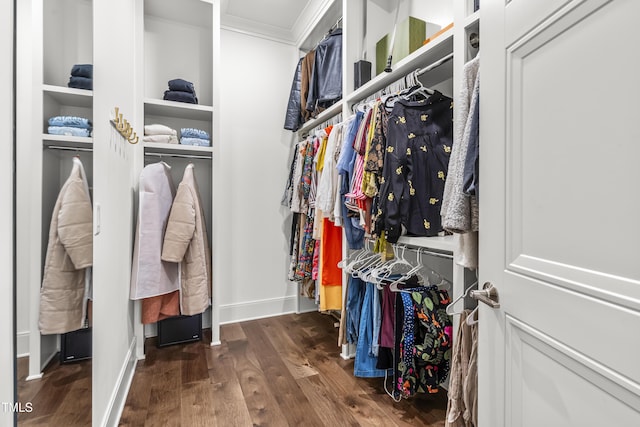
point(59, 147)
point(434, 65)
point(424, 251)
point(184, 156)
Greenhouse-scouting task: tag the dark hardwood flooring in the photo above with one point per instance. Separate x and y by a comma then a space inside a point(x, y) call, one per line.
point(279, 371)
point(62, 397)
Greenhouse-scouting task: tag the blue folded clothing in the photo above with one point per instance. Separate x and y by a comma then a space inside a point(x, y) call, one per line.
point(80, 82)
point(195, 141)
point(174, 95)
point(82, 70)
point(194, 133)
point(68, 131)
point(181, 85)
point(70, 121)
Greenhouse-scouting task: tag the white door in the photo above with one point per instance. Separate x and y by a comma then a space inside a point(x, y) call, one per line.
point(560, 213)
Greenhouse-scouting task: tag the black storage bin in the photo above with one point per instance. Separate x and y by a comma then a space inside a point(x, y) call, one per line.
point(75, 346)
point(179, 329)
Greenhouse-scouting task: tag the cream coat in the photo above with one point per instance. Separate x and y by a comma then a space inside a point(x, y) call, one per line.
point(150, 276)
point(185, 241)
point(69, 252)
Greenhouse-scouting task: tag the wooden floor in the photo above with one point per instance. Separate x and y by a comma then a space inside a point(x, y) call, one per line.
point(280, 371)
point(61, 398)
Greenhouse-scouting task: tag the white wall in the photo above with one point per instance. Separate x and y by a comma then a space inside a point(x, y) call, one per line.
point(7, 353)
point(251, 166)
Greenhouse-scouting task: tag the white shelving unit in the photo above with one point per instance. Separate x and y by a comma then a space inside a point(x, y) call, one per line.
point(188, 30)
point(379, 20)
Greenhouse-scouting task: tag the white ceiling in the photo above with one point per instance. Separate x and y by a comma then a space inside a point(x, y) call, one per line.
point(285, 20)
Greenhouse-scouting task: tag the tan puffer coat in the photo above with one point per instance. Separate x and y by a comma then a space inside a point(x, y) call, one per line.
point(186, 241)
point(69, 253)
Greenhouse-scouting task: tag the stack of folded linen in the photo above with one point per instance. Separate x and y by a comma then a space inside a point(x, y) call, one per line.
point(182, 91)
point(160, 133)
point(69, 126)
point(81, 76)
point(191, 136)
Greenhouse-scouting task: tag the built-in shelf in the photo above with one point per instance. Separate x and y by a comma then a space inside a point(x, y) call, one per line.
point(424, 56)
point(437, 243)
point(177, 149)
point(330, 112)
point(182, 110)
point(69, 96)
point(329, 16)
point(67, 141)
point(472, 20)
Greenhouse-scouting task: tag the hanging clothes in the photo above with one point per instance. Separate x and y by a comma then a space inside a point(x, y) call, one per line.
point(150, 276)
point(423, 335)
point(293, 119)
point(186, 242)
point(463, 384)
point(325, 87)
point(366, 360)
point(459, 210)
point(64, 293)
point(306, 75)
point(415, 166)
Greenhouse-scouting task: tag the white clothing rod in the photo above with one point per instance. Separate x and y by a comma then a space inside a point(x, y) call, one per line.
point(59, 147)
point(438, 63)
point(184, 156)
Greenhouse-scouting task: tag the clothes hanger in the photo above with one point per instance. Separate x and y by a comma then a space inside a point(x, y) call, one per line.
point(464, 295)
point(474, 313)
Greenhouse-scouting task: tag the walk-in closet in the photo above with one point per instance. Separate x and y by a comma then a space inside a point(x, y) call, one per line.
point(241, 212)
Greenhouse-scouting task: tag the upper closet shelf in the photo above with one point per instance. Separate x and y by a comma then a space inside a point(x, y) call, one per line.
point(330, 112)
point(177, 150)
point(69, 96)
point(472, 20)
point(437, 243)
point(327, 18)
point(427, 54)
point(67, 141)
point(183, 110)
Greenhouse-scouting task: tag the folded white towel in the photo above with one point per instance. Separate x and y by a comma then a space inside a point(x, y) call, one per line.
point(157, 129)
point(164, 139)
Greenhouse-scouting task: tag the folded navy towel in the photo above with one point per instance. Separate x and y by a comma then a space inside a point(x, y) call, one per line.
point(70, 121)
point(82, 70)
point(80, 82)
point(193, 133)
point(181, 85)
point(174, 95)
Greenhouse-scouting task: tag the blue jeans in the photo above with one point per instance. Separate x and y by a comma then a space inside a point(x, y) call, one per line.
point(365, 364)
point(174, 95)
point(355, 298)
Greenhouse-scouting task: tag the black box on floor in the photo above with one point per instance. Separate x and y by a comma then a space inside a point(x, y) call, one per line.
point(179, 329)
point(75, 346)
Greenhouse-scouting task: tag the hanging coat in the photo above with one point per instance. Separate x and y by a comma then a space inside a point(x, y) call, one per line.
point(150, 276)
point(63, 293)
point(186, 242)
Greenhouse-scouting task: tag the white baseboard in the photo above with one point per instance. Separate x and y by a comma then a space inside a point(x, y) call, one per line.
point(251, 310)
point(119, 395)
point(22, 344)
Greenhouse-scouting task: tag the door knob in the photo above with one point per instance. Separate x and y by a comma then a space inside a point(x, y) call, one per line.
point(488, 295)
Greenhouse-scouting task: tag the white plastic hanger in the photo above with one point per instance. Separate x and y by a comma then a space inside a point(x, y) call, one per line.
point(464, 294)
